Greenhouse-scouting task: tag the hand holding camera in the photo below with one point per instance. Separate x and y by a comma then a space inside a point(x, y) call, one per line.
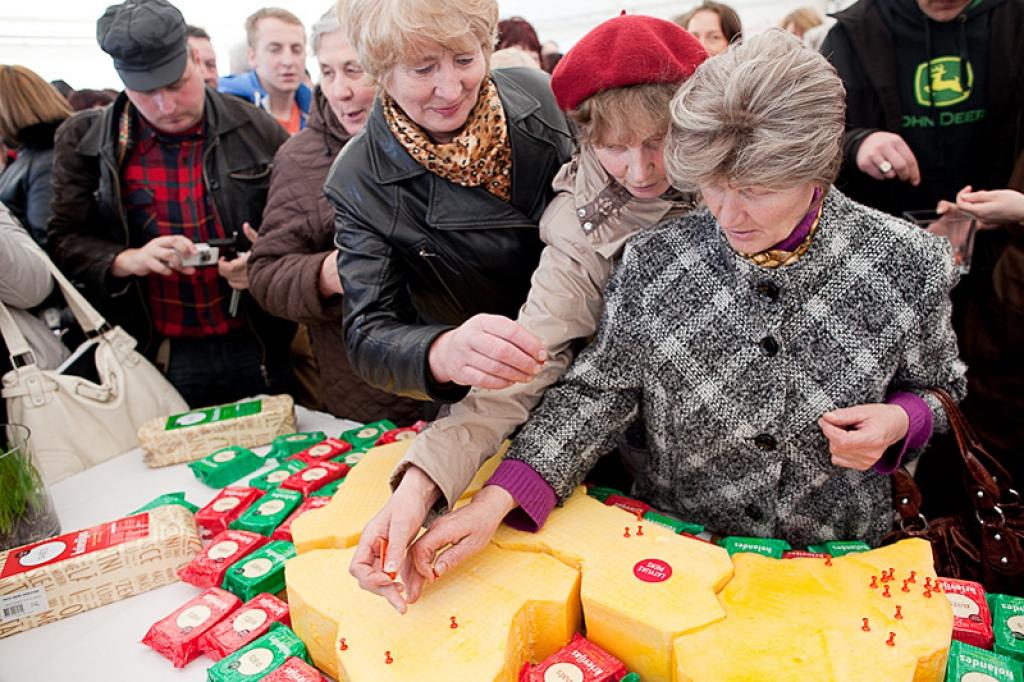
point(161, 256)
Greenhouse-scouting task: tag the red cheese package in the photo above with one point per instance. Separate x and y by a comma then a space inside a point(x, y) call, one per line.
point(972, 620)
point(635, 507)
point(295, 670)
point(177, 636)
point(284, 531)
point(250, 621)
point(580, 660)
point(315, 476)
point(210, 565)
point(226, 507)
point(396, 435)
point(323, 451)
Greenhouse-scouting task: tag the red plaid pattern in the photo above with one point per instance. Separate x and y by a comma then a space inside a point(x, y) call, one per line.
point(164, 194)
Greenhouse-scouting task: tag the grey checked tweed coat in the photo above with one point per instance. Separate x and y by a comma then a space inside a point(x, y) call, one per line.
point(731, 365)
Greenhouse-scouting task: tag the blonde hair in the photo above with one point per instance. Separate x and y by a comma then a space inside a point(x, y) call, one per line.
point(768, 112)
point(252, 22)
point(384, 32)
point(622, 115)
point(27, 100)
point(802, 19)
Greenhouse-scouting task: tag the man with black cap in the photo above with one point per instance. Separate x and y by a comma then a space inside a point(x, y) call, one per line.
point(142, 188)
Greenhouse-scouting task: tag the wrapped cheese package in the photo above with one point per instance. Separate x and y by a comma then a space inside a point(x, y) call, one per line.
point(177, 636)
point(253, 619)
point(227, 547)
point(75, 572)
point(189, 436)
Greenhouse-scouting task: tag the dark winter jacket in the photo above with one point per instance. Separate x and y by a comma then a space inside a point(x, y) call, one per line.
point(862, 48)
point(284, 268)
point(421, 255)
point(89, 227)
point(25, 184)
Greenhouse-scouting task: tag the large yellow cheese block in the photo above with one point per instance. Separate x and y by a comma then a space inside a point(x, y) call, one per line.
point(365, 491)
point(800, 619)
point(84, 569)
point(509, 607)
point(643, 585)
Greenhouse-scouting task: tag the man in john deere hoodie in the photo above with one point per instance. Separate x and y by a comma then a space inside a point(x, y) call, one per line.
point(277, 55)
point(934, 94)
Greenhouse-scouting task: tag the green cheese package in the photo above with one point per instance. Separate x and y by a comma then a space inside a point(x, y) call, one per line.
point(673, 523)
point(969, 663)
point(364, 437)
point(260, 657)
point(1008, 624)
point(839, 547)
point(191, 435)
point(225, 466)
point(601, 494)
point(273, 478)
point(287, 445)
point(169, 498)
point(268, 512)
point(328, 490)
point(764, 546)
point(261, 571)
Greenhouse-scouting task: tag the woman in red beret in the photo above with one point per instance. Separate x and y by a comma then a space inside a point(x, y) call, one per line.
point(615, 85)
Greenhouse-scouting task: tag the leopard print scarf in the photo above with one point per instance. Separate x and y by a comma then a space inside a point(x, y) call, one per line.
point(479, 156)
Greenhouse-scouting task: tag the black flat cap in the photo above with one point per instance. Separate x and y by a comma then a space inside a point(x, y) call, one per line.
point(148, 41)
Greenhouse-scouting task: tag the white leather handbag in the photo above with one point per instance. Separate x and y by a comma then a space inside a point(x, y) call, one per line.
point(91, 407)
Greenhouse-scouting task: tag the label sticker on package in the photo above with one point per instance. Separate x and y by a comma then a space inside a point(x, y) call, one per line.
point(652, 571)
point(213, 414)
point(23, 604)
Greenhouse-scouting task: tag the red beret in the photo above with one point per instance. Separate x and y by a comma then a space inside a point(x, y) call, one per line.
point(627, 50)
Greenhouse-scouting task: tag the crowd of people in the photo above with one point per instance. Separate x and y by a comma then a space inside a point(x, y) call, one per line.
point(672, 258)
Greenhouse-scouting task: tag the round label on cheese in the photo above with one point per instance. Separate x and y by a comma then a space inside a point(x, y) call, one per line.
point(962, 606)
point(296, 438)
point(222, 550)
point(225, 456)
point(270, 508)
point(256, 661)
point(257, 568)
point(367, 433)
point(320, 450)
point(405, 435)
point(226, 504)
point(37, 556)
point(354, 458)
point(652, 571)
point(249, 620)
point(978, 677)
point(563, 672)
point(190, 418)
point(193, 617)
point(314, 474)
point(1016, 625)
point(278, 476)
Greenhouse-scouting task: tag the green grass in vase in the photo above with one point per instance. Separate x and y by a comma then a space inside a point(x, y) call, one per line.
point(20, 488)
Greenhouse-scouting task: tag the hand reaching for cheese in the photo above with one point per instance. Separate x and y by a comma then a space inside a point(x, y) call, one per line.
point(455, 537)
point(397, 524)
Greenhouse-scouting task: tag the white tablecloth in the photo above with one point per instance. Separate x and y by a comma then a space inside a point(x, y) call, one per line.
point(103, 644)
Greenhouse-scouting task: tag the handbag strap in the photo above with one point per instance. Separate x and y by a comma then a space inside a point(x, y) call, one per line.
point(17, 345)
point(87, 316)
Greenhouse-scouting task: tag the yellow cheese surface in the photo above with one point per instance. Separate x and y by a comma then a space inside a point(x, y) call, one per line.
point(510, 607)
point(365, 491)
point(800, 619)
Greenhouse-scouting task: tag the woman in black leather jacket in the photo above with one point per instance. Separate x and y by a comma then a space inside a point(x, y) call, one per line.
point(437, 202)
point(30, 112)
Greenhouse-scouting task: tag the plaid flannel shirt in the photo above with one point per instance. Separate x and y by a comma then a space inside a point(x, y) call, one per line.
point(164, 194)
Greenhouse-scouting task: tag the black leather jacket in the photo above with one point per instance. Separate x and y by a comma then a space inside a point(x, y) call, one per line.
point(420, 255)
point(25, 184)
point(89, 227)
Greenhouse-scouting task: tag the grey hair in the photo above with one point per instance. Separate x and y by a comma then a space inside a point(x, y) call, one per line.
point(328, 23)
point(768, 112)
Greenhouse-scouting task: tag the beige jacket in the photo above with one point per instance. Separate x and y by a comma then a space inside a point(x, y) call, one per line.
point(585, 228)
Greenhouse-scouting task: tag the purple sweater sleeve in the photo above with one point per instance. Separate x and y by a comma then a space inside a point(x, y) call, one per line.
point(918, 432)
point(535, 497)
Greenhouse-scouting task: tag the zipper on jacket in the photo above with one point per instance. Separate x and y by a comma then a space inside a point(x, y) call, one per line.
point(428, 257)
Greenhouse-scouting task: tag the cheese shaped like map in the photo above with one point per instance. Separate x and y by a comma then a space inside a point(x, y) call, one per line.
point(366, 489)
point(672, 608)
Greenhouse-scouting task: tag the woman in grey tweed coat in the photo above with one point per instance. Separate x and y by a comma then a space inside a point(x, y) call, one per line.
point(779, 371)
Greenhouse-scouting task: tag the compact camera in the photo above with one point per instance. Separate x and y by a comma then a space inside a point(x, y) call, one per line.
point(205, 255)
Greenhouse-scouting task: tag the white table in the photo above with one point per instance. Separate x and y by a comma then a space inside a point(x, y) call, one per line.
point(104, 644)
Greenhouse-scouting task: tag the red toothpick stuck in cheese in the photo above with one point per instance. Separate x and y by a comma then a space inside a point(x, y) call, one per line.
point(906, 586)
point(454, 623)
point(892, 639)
point(383, 550)
point(913, 577)
point(927, 593)
point(865, 627)
point(899, 612)
point(343, 646)
point(828, 560)
point(639, 530)
point(885, 592)
point(927, 583)
point(626, 533)
point(387, 658)
point(874, 582)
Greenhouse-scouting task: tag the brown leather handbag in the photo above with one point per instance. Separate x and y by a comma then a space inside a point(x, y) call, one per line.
point(985, 544)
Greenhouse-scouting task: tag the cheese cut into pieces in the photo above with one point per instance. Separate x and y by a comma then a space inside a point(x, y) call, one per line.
point(801, 619)
point(66, 575)
point(509, 607)
point(638, 592)
point(366, 490)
